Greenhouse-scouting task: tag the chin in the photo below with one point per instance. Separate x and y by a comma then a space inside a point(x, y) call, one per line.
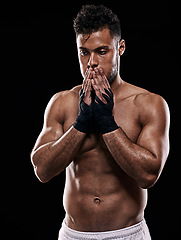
point(111, 78)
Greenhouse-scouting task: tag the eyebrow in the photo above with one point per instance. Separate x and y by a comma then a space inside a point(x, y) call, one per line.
point(96, 49)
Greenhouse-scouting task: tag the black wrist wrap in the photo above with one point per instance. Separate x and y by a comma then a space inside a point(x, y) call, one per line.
point(84, 117)
point(103, 113)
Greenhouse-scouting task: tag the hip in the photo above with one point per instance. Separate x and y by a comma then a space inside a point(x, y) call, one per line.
point(138, 231)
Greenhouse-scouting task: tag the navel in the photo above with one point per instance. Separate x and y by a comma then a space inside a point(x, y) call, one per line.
point(97, 200)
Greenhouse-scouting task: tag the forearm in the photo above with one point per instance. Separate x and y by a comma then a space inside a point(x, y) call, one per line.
point(52, 158)
point(138, 162)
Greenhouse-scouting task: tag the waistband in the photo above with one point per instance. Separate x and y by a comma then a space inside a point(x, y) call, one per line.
point(121, 233)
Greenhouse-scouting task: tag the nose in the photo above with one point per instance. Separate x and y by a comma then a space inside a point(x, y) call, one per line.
point(93, 61)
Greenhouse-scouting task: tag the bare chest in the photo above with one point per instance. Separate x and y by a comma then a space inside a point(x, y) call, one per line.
point(126, 116)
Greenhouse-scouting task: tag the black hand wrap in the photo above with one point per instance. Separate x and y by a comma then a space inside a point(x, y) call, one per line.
point(84, 118)
point(103, 113)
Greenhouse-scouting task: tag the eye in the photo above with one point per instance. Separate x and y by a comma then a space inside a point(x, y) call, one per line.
point(102, 52)
point(83, 53)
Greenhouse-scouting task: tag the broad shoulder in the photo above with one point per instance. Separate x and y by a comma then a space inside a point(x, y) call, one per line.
point(143, 98)
point(64, 96)
point(149, 105)
point(152, 107)
point(128, 90)
point(60, 102)
point(148, 102)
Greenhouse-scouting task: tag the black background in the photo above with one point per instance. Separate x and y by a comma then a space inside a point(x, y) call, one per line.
point(38, 59)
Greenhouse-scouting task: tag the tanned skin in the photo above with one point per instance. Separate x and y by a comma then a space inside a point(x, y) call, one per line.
point(107, 175)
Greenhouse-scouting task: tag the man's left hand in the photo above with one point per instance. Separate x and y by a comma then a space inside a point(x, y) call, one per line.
point(104, 103)
point(100, 83)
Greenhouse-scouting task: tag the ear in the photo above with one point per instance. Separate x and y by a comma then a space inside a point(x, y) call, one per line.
point(122, 47)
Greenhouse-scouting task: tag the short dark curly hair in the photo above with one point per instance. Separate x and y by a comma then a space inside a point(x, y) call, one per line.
point(92, 18)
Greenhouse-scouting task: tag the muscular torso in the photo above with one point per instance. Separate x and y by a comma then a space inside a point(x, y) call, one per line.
point(99, 195)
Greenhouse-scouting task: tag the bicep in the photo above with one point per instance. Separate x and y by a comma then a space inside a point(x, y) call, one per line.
point(52, 126)
point(155, 131)
point(48, 135)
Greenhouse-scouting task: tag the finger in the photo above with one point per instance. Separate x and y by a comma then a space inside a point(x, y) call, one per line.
point(95, 85)
point(109, 92)
point(90, 74)
point(87, 97)
point(106, 97)
point(99, 86)
point(88, 81)
point(99, 101)
point(98, 93)
point(84, 85)
point(88, 88)
point(94, 75)
point(100, 80)
point(85, 78)
point(106, 82)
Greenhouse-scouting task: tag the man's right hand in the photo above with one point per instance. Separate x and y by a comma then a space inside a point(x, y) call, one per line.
point(86, 86)
point(84, 119)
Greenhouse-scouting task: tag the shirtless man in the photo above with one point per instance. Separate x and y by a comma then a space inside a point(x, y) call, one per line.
point(110, 136)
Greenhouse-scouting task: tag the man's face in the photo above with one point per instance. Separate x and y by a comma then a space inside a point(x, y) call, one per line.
point(99, 49)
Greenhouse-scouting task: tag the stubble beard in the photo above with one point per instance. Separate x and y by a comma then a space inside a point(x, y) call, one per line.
point(113, 73)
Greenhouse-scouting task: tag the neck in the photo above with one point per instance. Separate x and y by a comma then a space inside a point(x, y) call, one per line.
point(116, 83)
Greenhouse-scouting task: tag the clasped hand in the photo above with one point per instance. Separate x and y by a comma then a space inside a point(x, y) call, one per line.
point(96, 103)
point(97, 81)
